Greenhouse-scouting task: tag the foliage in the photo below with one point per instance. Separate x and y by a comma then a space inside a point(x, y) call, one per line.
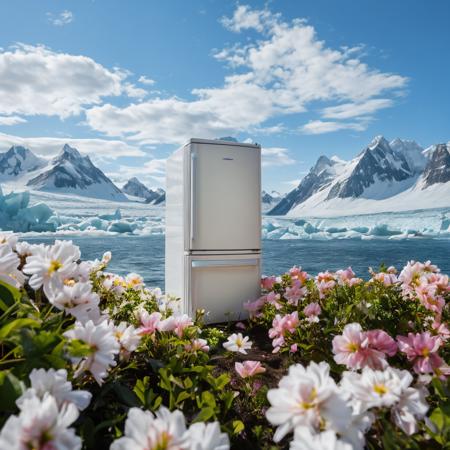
point(106, 349)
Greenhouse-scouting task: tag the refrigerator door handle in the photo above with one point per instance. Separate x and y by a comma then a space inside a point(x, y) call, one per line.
point(193, 194)
point(224, 263)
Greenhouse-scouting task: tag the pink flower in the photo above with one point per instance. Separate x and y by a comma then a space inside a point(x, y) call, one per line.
point(298, 274)
point(349, 347)
point(386, 278)
point(325, 281)
point(347, 277)
point(293, 348)
point(441, 329)
point(197, 345)
point(177, 324)
point(268, 282)
point(426, 293)
point(254, 307)
point(422, 349)
point(149, 322)
point(280, 326)
point(273, 299)
point(294, 293)
point(249, 368)
point(357, 349)
point(381, 341)
point(312, 312)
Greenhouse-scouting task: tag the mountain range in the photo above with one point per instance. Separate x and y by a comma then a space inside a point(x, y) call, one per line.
point(384, 176)
point(69, 173)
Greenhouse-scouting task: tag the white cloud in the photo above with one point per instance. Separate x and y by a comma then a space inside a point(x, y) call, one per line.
point(321, 127)
point(50, 146)
point(349, 110)
point(283, 72)
point(150, 173)
point(145, 80)
point(245, 18)
point(11, 120)
point(61, 19)
point(34, 80)
point(276, 156)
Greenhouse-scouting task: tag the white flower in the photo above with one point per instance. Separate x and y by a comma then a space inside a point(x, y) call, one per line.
point(75, 298)
point(9, 261)
point(238, 343)
point(134, 281)
point(106, 258)
point(114, 283)
point(128, 336)
point(103, 344)
point(41, 425)
point(307, 397)
point(374, 388)
point(412, 406)
point(47, 263)
point(9, 239)
point(207, 437)
point(327, 440)
point(54, 382)
point(147, 431)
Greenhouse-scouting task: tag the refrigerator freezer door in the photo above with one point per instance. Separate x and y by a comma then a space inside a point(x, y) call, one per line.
point(225, 200)
point(221, 286)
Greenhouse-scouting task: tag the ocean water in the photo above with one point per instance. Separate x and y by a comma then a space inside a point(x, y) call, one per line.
point(145, 254)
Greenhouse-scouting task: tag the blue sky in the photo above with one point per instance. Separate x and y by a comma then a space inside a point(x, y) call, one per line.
point(126, 82)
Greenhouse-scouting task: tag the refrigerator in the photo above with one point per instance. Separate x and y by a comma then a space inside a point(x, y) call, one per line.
point(213, 227)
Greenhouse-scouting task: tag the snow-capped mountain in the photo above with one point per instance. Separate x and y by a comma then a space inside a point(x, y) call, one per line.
point(318, 177)
point(70, 172)
point(135, 188)
point(269, 199)
point(160, 200)
point(18, 161)
point(438, 167)
point(384, 176)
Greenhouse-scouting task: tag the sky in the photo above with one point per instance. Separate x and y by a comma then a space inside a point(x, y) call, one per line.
point(127, 82)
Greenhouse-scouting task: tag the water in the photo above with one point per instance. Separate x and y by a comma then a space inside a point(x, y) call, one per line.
point(145, 254)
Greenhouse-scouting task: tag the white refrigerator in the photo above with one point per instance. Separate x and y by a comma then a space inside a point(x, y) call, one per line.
point(213, 227)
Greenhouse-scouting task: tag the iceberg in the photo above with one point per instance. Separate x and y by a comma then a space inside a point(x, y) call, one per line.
point(17, 216)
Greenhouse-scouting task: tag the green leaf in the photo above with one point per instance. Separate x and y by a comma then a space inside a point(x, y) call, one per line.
point(205, 414)
point(126, 396)
point(7, 329)
point(238, 426)
point(78, 349)
point(8, 295)
point(10, 390)
point(182, 396)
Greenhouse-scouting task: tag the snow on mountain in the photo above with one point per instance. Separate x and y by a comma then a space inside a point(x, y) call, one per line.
point(385, 176)
point(70, 172)
point(18, 161)
point(438, 167)
point(412, 152)
point(135, 188)
point(269, 199)
point(319, 177)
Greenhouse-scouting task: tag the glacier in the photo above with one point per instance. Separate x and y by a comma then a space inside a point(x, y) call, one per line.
point(38, 212)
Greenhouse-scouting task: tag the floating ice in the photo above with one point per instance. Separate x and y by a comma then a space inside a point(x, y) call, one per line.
point(16, 215)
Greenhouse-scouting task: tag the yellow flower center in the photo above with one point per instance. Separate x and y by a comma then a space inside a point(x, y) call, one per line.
point(425, 351)
point(380, 389)
point(69, 282)
point(309, 403)
point(352, 347)
point(54, 266)
point(163, 441)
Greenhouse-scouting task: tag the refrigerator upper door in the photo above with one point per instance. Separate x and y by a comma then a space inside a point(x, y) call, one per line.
point(225, 211)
